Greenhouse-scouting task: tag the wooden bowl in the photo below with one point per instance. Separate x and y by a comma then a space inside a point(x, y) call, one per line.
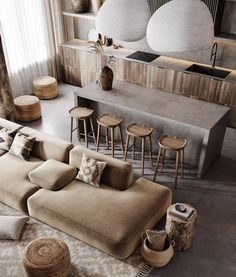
point(157, 258)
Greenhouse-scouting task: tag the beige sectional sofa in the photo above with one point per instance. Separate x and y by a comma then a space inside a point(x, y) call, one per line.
point(110, 218)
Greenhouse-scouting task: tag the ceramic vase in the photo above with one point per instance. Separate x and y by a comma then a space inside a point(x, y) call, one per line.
point(96, 5)
point(106, 78)
point(80, 6)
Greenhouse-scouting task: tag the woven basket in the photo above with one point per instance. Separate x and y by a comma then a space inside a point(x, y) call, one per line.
point(47, 257)
point(45, 87)
point(157, 258)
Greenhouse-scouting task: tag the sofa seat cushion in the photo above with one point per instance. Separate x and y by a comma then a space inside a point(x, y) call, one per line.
point(53, 175)
point(4, 123)
point(15, 186)
point(108, 219)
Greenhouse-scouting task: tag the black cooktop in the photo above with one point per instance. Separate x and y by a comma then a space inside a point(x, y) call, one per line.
point(143, 56)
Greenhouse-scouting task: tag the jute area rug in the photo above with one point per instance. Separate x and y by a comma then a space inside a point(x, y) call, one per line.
point(86, 261)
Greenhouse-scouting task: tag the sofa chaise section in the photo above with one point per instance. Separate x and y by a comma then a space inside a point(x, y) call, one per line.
point(109, 219)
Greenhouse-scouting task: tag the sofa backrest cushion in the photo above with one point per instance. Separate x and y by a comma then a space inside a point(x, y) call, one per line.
point(117, 174)
point(9, 124)
point(48, 147)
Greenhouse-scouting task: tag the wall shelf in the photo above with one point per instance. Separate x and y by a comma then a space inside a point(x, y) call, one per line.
point(88, 15)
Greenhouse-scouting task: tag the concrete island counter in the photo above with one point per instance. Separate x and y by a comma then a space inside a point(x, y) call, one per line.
point(202, 124)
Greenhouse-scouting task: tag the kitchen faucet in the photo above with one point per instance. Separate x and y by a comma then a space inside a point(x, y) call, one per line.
point(214, 53)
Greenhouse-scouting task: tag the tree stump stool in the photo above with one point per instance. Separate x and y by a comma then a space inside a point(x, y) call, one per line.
point(47, 257)
point(27, 108)
point(45, 87)
point(179, 230)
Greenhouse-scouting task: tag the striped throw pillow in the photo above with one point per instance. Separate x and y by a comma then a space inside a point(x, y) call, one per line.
point(6, 138)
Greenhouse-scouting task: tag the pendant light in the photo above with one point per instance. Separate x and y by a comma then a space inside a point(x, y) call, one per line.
point(181, 26)
point(124, 20)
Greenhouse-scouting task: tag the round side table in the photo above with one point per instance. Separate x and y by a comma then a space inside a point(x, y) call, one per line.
point(46, 257)
point(179, 230)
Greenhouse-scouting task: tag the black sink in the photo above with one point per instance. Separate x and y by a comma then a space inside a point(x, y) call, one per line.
point(219, 73)
point(143, 56)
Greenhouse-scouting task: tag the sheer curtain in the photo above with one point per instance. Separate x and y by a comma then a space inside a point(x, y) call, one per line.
point(31, 30)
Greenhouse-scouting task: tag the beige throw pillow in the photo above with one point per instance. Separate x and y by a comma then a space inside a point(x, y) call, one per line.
point(91, 171)
point(22, 146)
point(11, 226)
point(156, 239)
point(6, 138)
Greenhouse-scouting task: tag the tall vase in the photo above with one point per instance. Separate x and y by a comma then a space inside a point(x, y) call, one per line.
point(106, 78)
point(96, 5)
point(80, 6)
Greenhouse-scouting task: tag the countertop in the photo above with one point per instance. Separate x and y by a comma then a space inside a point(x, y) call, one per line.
point(162, 61)
point(156, 103)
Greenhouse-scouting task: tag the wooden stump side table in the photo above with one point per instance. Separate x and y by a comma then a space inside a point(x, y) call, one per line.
point(179, 230)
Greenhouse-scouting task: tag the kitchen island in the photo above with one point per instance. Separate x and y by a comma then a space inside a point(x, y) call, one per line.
point(202, 124)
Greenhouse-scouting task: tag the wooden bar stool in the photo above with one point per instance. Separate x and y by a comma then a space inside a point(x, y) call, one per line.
point(171, 143)
point(141, 132)
point(110, 122)
point(83, 114)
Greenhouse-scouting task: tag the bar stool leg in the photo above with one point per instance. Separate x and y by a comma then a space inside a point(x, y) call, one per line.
point(85, 133)
point(121, 141)
point(71, 128)
point(182, 163)
point(176, 168)
point(158, 161)
point(93, 133)
point(98, 137)
point(150, 148)
point(133, 152)
point(126, 146)
point(163, 156)
point(112, 141)
point(107, 138)
point(78, 129)
point(143, 154)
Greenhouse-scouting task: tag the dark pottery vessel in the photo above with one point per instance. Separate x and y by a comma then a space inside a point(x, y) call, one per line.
point(106, 78)
point(80, 6)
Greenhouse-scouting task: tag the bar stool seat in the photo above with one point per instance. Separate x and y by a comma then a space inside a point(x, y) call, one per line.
point(141, 132)
point(171, 143)
point(83, 114)
point(110, 122)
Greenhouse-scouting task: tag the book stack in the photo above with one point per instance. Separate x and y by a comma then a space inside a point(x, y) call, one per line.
point(185, 214)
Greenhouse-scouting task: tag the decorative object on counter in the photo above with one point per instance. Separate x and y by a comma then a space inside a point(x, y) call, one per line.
point(174, 144)
point(123, 20)
point(47, 257)
point(93, 35)
point(156, 258)
point(96, 46)
point(178, 229)
point(80, 6)
point(181, 26)
point(108, 41)
point(96, 5)
point(106, 75)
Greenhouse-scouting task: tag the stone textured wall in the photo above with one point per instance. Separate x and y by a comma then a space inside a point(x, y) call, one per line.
point(6, 100)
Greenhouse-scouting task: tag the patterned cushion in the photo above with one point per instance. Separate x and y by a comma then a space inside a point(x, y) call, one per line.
point(6, 138)
point(22, 146)
point(91, 171)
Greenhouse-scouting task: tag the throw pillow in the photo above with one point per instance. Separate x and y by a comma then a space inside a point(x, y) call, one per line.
point(6, 138)
point(11, 226)
point(22, 146)
point(91, 171)
point(52, 175)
